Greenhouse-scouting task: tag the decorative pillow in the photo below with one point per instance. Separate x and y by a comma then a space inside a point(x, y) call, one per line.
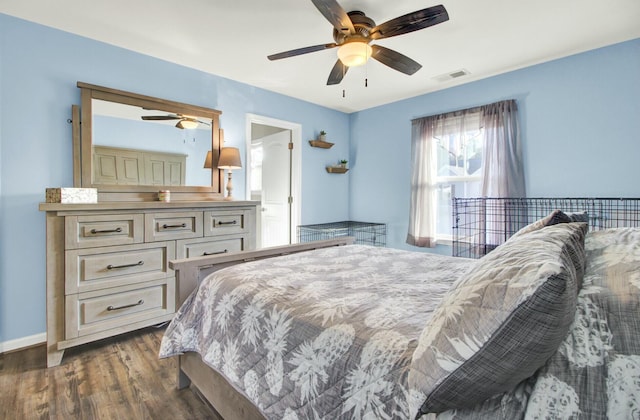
point(501, 320)
point(554, 218)
point(579, 216)
point(551, 219)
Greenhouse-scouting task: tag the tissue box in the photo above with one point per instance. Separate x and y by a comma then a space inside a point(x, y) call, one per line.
point(72, 195)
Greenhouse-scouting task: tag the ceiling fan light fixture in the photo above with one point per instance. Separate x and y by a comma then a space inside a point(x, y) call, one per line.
point(188, 124)
point(354, 54)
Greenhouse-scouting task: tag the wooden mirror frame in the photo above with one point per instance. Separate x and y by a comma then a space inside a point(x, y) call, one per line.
point(83, 147)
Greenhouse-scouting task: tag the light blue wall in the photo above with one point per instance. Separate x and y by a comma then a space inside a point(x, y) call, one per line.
point(580, 121)
point(38, 73)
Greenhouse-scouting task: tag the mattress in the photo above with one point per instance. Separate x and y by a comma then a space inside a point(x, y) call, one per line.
point(322, 334)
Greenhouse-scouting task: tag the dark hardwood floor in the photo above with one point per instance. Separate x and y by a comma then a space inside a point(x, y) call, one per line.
point(117, 378)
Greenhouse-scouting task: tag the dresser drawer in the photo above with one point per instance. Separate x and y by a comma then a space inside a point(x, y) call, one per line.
point(225, 222)
point(186, 248)
point(103, 230)
point(100, 268)
point(172, 225)
point(92, 312)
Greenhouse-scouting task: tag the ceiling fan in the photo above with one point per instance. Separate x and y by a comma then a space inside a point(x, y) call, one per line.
point(354, 31)
point(185, 120)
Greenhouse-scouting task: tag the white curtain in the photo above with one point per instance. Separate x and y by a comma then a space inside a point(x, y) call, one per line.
point(502, 172)
point(425, 135)
point(422, 213)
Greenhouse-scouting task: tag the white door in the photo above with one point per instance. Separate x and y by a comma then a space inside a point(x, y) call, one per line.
point(274, 177)
point(275, 174)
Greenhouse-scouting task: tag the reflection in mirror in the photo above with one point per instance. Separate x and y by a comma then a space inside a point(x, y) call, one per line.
point(136, 146)
point(128, 158)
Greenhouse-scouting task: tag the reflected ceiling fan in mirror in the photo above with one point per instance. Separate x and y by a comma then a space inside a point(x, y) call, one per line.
point(185, 121)
point(354, 31)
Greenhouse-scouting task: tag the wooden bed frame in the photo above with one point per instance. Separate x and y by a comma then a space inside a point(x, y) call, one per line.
point(223, 397)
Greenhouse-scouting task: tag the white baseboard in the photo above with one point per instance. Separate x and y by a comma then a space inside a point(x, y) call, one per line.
point(23, 342)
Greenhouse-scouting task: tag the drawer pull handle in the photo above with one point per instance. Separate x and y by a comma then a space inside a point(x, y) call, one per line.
point(131, 305)
point(174, 226)
point(96, 232)
point(113, 267)
point(215, 253)
point(233, 222)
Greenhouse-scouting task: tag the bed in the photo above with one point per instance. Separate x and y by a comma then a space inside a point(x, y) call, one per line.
point(544, 326)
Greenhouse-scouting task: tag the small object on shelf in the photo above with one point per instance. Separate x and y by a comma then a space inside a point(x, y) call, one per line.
point(343, 163)
point(164, 195)
point(320, 143)
point(336, 169)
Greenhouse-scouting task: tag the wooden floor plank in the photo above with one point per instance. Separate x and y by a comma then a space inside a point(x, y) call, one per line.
point(116, 378)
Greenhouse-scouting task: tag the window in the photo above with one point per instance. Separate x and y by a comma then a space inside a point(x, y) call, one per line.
point(470, 153)
point(458, 158)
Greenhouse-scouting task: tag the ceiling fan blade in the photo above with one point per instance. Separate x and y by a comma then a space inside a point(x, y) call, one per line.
point(411, 22)
point(301, 51)
point(336, 15)
point(160, 117)
point(337, 73)
point(395, 60)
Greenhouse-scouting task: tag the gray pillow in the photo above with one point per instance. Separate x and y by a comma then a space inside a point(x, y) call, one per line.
point(501, 320)
point(578, 216)
point(551, 219)
point(554, 218)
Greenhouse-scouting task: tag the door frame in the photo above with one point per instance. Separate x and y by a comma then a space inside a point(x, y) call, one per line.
point(296, 165)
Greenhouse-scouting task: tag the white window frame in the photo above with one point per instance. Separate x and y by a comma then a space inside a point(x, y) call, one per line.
point(440, 181)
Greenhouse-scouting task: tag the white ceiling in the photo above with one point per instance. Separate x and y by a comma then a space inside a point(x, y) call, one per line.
point(232, 38)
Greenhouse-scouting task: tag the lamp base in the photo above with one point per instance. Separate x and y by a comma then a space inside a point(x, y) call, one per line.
point(229, 196)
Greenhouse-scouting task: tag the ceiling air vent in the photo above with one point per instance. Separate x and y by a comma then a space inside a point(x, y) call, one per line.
point(452, 75)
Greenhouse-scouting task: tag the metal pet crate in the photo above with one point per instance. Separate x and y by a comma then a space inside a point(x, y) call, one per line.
point(481, 224)
point(365, 233)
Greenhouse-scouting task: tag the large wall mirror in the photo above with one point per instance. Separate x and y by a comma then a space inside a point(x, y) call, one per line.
point(131, 146)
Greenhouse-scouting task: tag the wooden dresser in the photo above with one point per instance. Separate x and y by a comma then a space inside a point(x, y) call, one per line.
point(107, 263)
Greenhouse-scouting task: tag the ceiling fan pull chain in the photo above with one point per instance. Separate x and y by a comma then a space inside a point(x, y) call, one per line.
point(366, 73)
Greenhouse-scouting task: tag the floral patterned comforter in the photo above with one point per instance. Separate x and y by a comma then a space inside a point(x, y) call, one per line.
point(333, 341)
point(280, 335)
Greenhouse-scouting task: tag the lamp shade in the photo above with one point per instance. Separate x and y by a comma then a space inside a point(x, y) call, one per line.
point(354, 53)
point(208, 160)
point(229, 158)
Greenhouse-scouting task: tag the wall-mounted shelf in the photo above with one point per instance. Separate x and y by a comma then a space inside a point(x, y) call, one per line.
point(321, 144)
point(336, 169)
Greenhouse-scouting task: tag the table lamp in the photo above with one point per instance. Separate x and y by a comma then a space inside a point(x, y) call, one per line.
point(230, 160)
